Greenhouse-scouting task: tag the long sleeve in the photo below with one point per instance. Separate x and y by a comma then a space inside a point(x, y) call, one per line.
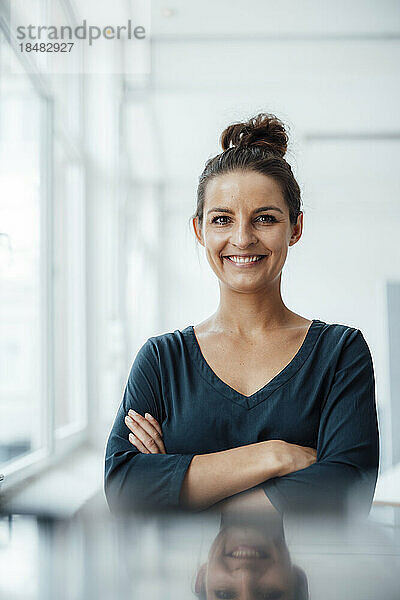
point(132, 478)
point(345, 473)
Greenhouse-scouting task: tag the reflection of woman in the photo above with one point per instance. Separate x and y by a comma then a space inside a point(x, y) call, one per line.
point(249, 559)
point(256, 396)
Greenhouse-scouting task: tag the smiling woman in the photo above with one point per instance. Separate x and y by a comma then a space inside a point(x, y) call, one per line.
point(249, 558)
point(256, 398)
point(246, 226)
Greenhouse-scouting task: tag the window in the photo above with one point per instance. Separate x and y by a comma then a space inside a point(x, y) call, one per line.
point(22, 252)
point(42, 264)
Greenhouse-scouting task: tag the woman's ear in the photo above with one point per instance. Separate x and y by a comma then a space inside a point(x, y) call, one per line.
point(197, 230)
point(296, 230)
point(200, 585)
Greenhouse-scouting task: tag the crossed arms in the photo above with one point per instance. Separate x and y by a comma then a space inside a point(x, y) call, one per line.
point(138, 470)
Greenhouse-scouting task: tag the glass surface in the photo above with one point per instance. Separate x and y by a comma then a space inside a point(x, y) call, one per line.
point(246, 554)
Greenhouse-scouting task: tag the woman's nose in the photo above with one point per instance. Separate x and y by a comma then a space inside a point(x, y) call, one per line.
point(247, 570)
point(243, 235)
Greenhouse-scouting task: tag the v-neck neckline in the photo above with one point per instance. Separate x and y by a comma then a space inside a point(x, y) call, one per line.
point(272, 385)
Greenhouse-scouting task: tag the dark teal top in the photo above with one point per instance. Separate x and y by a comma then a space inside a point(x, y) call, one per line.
point(324, 398)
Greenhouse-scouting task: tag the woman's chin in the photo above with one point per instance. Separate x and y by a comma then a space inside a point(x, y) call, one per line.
point(248, 283)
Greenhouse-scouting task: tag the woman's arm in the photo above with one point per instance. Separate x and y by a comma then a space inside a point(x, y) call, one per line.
point(345, 473)
point(219, 475)
point(253, 499)
point(213, 477)
point(133, 478)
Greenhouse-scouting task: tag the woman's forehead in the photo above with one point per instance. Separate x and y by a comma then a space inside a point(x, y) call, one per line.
point(238, 189)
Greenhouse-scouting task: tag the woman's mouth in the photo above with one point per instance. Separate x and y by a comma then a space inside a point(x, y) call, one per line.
point(248, 260)
point(247, 552)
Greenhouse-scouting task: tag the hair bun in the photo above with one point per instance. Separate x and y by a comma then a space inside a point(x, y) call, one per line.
point(264, 130)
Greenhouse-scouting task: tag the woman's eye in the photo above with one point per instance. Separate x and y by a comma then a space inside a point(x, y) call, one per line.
point(266, 219)
point(221, 220)
point(225, 594)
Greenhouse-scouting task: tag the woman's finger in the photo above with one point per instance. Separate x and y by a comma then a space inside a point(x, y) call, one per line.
point(145, 432)
point(154, 422)
point(142, 436)
point(138, 444)
point(154, 433)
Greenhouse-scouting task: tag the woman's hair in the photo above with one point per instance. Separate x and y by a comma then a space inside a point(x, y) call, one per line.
point(259, 145)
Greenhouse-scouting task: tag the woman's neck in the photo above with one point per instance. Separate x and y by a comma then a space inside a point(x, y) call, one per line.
point(245, 314)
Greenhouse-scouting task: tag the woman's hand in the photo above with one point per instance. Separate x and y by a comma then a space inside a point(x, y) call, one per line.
point(146, 433)
point(289, 458)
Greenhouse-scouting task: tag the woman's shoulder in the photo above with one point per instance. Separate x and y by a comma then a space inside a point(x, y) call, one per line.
point(341, 339)
point(171, 342)
point(171, 337)
point(338, 331)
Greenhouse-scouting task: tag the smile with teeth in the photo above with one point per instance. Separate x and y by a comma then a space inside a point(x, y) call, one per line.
point(244, 259)
point(247, 552)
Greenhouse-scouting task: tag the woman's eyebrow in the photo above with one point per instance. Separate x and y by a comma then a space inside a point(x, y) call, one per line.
point(226, 210)
point(261, 209)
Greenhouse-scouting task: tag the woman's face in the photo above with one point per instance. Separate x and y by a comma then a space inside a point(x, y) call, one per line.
point(245, 563)
point(246, 230)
